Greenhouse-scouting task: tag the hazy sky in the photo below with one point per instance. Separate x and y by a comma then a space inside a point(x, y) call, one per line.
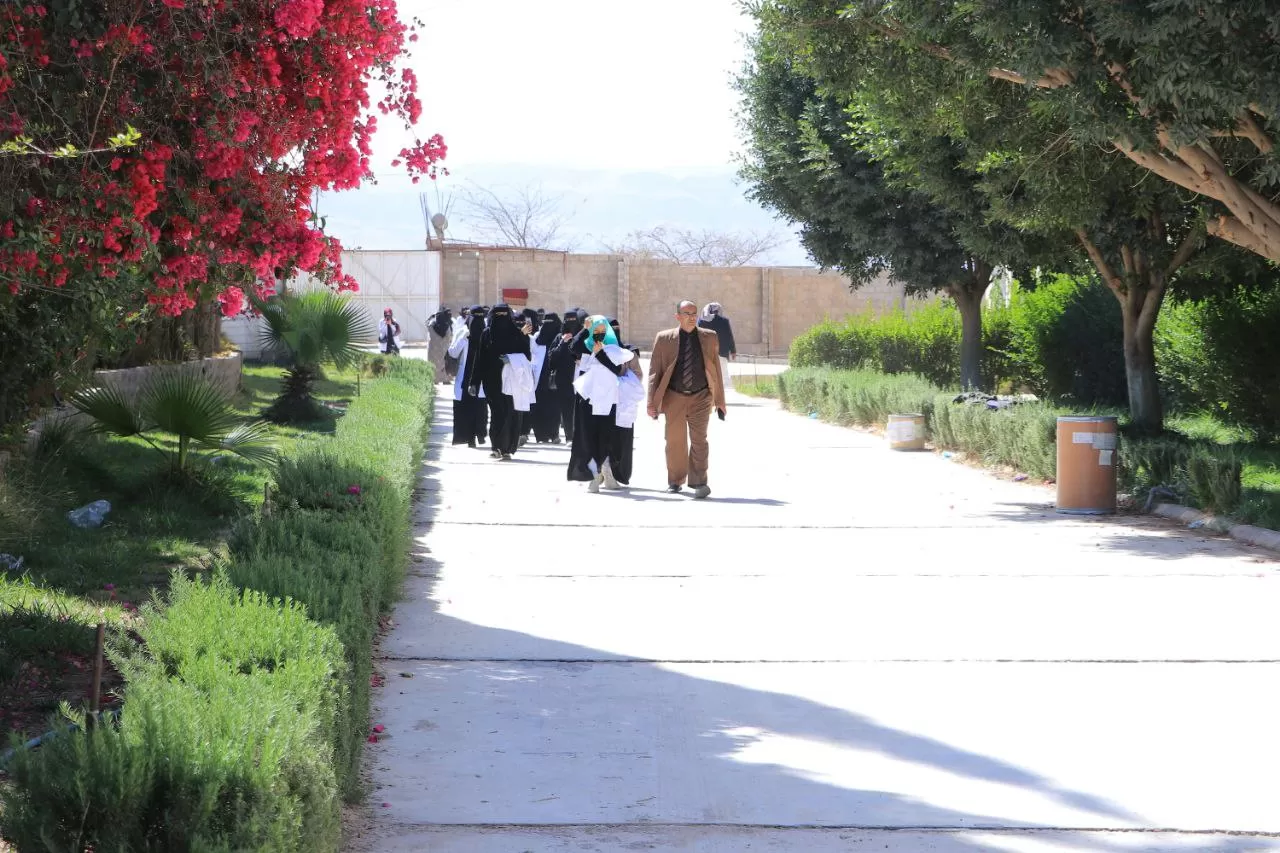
point(625, 109)
point(582, 83)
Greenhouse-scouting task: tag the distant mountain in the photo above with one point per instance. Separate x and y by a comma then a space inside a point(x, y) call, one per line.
point(602, 206)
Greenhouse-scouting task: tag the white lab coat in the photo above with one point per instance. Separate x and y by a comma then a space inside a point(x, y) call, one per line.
point(518, 381)
point(383, 337)
point(631, 394)
point(597, 383)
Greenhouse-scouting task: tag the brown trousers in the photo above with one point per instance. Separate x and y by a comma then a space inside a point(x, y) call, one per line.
point(687, 450)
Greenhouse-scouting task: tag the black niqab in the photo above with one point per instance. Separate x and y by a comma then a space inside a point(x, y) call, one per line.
point(573, 319)
point(442, 322)
point(502, 335)
point(550, 330)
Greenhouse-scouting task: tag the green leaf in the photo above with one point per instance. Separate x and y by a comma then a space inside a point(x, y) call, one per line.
point(251, 441)
point(110, 411)
point(188, 406)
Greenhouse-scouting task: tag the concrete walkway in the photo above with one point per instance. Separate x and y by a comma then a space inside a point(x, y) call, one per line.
point(843, 649)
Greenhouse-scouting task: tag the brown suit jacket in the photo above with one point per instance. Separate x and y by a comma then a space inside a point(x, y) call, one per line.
point(662, 363)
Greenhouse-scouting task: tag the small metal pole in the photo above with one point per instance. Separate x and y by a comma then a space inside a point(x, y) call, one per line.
point(95, 689)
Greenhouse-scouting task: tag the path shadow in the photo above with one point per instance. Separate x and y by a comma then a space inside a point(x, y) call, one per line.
point(724, 729)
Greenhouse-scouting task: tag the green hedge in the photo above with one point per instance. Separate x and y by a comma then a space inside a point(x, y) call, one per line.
point(246, 712)
point(1220, 355)
point(861, 397)
point(925, 342)
point(1199, 472)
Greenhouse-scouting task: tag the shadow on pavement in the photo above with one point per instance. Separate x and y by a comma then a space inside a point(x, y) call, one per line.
point(725, 729)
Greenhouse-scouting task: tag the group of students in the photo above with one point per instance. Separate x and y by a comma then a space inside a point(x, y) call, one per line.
point(533, 376)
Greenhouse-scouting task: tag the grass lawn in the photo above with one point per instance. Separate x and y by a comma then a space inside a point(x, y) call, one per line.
point(71, 578)
point(753, 386)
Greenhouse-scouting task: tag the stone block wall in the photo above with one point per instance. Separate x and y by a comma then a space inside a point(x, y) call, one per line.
point(768, 306)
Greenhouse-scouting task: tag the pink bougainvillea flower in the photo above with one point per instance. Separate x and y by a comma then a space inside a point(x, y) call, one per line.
point(108, 586)
point(379, 728)
point(373, 738)
point(353, 490)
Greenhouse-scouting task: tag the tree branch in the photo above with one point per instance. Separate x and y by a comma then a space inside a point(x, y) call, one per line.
point(1190, 244)
point(1109, 276)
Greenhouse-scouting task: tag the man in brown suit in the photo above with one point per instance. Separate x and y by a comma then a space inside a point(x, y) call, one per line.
point(685, 384)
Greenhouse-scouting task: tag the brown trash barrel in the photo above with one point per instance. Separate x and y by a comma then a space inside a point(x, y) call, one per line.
point(906, 432)
point(1087, 449)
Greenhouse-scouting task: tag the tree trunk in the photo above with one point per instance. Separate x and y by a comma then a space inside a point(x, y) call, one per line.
point(1140, 291)
point(968, 298)
point(1145, 409)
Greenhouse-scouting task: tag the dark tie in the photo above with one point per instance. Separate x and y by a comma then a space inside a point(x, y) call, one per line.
point(686, 368)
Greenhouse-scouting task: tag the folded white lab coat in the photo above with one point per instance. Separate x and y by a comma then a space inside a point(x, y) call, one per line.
point(598, 384)
point(630, 396)
point(518, 380)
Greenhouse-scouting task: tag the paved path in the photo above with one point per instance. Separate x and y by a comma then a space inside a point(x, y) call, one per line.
point(843, 649)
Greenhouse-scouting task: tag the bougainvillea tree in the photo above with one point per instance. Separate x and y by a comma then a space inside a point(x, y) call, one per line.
point(178, 143)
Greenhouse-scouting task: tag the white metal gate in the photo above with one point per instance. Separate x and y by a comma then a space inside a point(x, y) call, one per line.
point(406, 282)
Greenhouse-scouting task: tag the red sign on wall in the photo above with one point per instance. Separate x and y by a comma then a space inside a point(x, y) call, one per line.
point(516, 294)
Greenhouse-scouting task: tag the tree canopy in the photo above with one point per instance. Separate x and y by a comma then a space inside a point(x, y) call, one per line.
point(199, 132)
point(1188, 90)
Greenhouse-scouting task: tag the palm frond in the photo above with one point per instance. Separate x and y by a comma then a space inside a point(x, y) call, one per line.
point(344, 327)
point(110, 411)
point(316, 326)
point(251, 441)
point(188, 406)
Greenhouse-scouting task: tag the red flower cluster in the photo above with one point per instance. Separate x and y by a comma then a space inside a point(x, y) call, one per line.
point(245, 109)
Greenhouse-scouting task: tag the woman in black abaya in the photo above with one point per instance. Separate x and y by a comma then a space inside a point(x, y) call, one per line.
point(546, 411)
point(501, 339)
point(621, 451)
point(563, 358)
point(470, 416)
point(595, 437)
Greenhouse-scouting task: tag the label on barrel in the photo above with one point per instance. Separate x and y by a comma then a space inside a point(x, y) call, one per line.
point(1104, 441)
point(1104, 457)
point(1082, 438)
point(902, 431)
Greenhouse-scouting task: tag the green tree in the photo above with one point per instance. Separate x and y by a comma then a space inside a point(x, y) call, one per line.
point(1188, 90)
point(1033, 171)
point(314, 328)
point(806, 162)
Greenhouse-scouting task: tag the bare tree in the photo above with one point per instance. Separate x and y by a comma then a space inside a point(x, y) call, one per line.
point(526, 216)
point(688, 246)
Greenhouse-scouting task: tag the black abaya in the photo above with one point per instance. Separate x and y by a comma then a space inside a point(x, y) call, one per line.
point(501, 338)
point(470, 415)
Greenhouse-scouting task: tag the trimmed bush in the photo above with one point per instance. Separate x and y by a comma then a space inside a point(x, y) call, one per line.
point(223, 744)
point(1066, 342)
point(861, 397)
point(1201, 473)
point(1023, 436)
point(925, 342)
point(1219, 355)
point(339, 538)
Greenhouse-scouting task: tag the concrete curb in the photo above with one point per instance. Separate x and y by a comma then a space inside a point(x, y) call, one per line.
point(1247, 533)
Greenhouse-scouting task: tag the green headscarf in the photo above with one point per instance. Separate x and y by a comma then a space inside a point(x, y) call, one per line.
point(610, 339)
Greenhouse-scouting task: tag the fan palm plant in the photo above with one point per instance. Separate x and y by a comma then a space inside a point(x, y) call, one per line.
point(186, 406)
point(315, 327)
